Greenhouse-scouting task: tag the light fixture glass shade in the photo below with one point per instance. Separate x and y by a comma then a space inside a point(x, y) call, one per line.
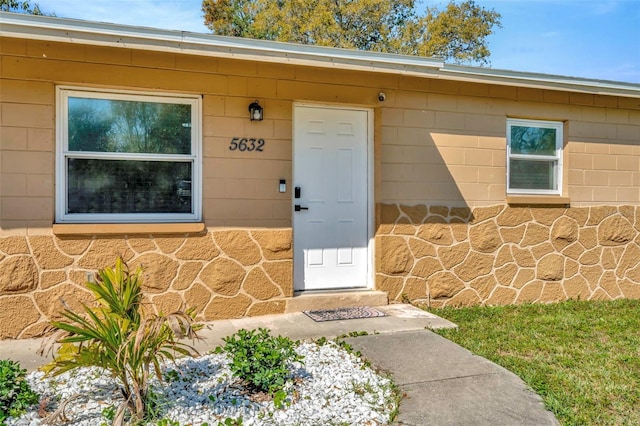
point(255, 111)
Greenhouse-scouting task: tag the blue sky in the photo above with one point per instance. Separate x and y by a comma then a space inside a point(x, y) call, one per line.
point(596, 39)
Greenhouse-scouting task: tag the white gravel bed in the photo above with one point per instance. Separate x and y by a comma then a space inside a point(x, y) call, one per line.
point(329, 387)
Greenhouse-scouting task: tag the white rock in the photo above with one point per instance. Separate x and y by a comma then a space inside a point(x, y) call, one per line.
point(324, 386)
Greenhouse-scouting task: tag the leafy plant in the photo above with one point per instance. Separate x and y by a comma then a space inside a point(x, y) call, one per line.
point(321, 341)
point(231, 422)
point(261, 360)
point(117, 335)
point(171, 375)
point(15, 393)
point(167, 422)
point(109, 413)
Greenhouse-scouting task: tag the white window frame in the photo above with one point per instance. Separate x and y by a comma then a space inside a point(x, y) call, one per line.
point(558, 126)
point(63, 93)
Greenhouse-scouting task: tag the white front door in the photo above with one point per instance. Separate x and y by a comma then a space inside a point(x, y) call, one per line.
point(331, 198)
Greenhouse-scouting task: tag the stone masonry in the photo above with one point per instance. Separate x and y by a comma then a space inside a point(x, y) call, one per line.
point(222, 274)
point(497, 255)
point(431, 255)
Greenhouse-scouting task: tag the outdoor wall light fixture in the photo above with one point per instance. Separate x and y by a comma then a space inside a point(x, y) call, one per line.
point(256, 113)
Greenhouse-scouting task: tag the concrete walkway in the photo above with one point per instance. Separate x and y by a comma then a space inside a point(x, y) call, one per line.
point(444, 384)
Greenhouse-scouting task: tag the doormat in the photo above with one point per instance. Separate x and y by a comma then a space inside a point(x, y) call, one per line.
point(344, 313)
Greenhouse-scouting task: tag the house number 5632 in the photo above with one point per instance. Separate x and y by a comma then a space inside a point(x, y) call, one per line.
point(246, 144)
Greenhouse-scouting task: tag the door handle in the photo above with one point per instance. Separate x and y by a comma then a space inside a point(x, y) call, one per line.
point(298, 208)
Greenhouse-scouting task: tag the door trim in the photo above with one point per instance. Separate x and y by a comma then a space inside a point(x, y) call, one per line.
point(370, 186)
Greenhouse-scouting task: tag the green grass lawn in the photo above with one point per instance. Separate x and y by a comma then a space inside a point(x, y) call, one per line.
point(583, 358)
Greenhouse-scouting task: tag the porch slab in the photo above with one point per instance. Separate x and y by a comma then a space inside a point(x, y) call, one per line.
point(310, 301)
point(298, 326)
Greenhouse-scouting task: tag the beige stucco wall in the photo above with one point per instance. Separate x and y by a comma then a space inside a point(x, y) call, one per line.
point(438, 144)
point(447, 144)
point(436, 141)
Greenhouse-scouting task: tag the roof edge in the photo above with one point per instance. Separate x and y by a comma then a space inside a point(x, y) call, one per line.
point(80, 31)
point(132, 37)
point(550, 81)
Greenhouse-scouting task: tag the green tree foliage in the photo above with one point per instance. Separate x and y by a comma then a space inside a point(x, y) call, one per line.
point(128, 186)
point(151, 127)
point(533, 140)
point(88, 129)
point(101, 125)
point(20, 7)
point(456, 33)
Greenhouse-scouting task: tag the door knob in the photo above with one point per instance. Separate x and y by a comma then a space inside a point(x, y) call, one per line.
point(298, 208)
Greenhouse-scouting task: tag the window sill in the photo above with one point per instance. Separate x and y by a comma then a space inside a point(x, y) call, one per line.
point(547, 200)
point(62, 229)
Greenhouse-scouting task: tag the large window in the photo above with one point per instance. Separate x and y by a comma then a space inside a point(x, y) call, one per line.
point(127, 157)
point(534, 154)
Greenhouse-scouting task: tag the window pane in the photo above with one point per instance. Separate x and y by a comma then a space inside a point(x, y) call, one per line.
point(116, 186)
point(533, 140)
point(103, 125)
point(525, 174)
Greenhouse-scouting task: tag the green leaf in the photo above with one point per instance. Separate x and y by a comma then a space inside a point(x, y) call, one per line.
point(261, 359)
point(116, 336)
point(16, 395)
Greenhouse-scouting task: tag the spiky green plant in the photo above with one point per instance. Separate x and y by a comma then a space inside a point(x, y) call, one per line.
point(116, 335)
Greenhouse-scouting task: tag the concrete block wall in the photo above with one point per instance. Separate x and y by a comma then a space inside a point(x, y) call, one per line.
point(240, 189)
point(446, 144)
point(439, 157)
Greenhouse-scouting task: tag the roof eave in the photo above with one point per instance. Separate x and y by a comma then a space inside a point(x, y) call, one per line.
point(106, 34)
point(540, 81)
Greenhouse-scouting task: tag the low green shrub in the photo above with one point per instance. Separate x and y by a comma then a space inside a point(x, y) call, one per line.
point(261, 360)
point(15, 393)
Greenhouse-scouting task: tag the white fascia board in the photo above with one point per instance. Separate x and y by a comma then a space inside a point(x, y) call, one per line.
point(539, 81)
point(105, 34)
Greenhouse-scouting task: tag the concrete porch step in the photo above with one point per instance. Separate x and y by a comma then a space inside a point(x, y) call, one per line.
point(307, 301)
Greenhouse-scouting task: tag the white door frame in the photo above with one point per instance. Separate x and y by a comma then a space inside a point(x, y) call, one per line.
point(370, 183)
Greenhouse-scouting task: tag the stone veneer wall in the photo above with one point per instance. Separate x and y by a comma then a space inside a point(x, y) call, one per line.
point(434, 255)
point(499, 255)
point(223, 274)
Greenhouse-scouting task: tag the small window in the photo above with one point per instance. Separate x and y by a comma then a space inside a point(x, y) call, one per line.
point(534, 157)
point(127, 157)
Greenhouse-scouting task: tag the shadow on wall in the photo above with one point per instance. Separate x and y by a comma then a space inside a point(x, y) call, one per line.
point(422, 210)
point(439, 251)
